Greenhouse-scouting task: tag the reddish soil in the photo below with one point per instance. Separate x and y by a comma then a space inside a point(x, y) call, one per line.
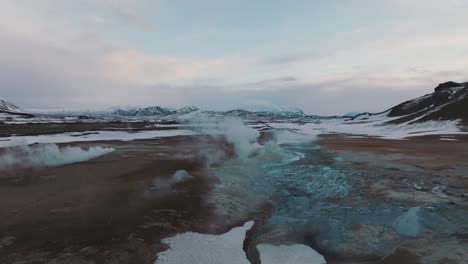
point(95, 211)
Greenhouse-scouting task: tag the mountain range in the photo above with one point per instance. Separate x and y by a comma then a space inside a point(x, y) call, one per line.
point(153, 111)
point(449, 101)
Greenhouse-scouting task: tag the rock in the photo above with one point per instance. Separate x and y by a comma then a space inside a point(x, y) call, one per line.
point(89, 250)
point(449, 101)
point(447, 85)
point(7, 241)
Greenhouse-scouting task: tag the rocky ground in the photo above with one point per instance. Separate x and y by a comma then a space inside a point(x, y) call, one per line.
point(426, 179)
point(103, 211)
point(406, 202)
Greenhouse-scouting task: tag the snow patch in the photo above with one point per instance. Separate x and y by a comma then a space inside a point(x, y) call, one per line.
point(293, 254)
point(198, 248)
point(90, 136)
point(375, 128)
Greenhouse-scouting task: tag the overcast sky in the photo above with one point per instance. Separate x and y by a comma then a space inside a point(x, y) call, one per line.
point(324, 56)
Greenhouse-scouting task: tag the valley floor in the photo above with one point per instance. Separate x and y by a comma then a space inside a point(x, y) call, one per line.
point(406, 203)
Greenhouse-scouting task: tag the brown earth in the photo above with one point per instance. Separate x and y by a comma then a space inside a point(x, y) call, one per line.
point(428, 152)
point(96, 211)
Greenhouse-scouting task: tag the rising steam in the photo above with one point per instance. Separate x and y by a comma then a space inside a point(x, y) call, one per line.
point(160, 187)
point(47, 155)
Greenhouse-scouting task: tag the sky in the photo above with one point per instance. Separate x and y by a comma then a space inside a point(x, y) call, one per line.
point(323, 56)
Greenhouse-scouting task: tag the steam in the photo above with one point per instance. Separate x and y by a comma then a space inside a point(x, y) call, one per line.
point(286, 136)
point(47, 155)
point(235, 132)
point(160, 187)
point(242, 137)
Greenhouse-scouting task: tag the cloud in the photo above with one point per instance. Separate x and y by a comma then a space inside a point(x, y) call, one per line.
point(139, 67)
point(288, 59)
point(296, 57)
point(38, 75)
point(125, 11)
point(267, 84)
point(79, 69)
point(61, 60)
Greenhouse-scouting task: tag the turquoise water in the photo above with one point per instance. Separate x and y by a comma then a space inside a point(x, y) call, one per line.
point(319, 199)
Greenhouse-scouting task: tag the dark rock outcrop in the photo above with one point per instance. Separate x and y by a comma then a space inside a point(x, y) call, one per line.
point(449, 101)
point(447, 86)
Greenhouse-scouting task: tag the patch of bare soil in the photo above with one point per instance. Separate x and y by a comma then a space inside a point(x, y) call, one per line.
point(97, 211)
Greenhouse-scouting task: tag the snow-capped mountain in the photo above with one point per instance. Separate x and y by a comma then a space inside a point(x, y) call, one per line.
point(270, 112)
point(353, 114)
point(266, 112)
point(449, 101)
point(153, 111)
point(10, 108)
point(186, 109)
point(273, 109)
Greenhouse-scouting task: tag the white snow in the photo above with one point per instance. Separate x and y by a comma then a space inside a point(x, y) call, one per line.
point(448, 139)
point(456, 89)
point(416, 101)
point(195, 248)
point(374, 127)
point(48, 155)
point(90, 136)
point(293, 254)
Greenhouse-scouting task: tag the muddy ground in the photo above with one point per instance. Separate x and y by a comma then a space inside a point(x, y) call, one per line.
point(424, 173)
point(97, 211)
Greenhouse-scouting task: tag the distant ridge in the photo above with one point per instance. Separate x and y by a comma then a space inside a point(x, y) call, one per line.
point(449, 101)
point(10, 108)
point(153, 111)
point(159, 111)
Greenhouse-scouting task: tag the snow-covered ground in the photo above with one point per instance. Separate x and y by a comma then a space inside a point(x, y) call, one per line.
point(90, 136)
point(226, 248)
point(293, 254)
point(304, 128)
point(375, 127)
point(198, 248)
